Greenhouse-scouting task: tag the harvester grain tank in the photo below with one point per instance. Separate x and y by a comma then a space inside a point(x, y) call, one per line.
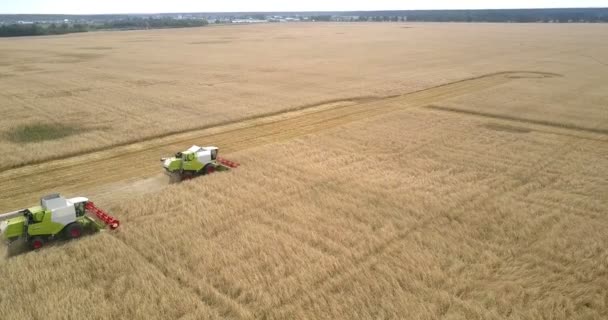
point(196, 161)
point(55, 216)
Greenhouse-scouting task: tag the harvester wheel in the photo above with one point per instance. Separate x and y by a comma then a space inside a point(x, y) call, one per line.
point(209, 169)
point(36, 242)
point(73, 230)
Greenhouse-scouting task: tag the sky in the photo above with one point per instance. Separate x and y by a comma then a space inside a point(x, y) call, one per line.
point(157, 6)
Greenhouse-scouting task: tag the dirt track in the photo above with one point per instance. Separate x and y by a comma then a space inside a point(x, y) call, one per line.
point(135, 168)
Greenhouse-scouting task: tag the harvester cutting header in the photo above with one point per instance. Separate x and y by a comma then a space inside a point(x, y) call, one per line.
point(196, 161)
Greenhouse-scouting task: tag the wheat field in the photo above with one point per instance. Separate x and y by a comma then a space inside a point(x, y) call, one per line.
point(428, 171)
point(111, 88)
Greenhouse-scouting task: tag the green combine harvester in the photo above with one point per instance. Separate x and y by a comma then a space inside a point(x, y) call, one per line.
point(55, 217)
point(194, 162)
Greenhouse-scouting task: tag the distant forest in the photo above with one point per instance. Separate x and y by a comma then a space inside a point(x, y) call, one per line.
point(506, 15)
point(33, 25)
point(42, 28)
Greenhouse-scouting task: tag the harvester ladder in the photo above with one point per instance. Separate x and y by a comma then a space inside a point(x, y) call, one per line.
point(26, 226)
point(102, 215)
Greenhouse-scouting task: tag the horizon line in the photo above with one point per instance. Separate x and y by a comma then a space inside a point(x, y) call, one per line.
point(289, 11)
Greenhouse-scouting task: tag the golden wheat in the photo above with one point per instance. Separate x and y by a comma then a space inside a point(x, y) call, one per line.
point(488, 205)
point(116, 87)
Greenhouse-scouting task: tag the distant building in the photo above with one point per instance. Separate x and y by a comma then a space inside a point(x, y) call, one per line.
point(248, 21)
point(345, 18)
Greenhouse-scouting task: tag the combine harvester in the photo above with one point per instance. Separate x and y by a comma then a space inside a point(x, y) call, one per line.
point(194, 162)
point(55, 216)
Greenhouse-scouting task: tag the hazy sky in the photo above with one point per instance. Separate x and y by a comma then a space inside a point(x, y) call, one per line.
point(152, 6)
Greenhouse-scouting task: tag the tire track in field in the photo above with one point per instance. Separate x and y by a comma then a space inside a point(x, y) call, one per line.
point(209, 296)
point(551, 124)
point(328, 246)
point(306, 296)
point(87, 173)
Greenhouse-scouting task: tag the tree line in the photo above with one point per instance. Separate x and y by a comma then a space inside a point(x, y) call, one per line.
point(502, 15)
point(137, 23)
point(18, 30)
point(41, 29)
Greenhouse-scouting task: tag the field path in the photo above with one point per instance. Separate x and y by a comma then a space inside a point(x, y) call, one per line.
point(132, 169)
